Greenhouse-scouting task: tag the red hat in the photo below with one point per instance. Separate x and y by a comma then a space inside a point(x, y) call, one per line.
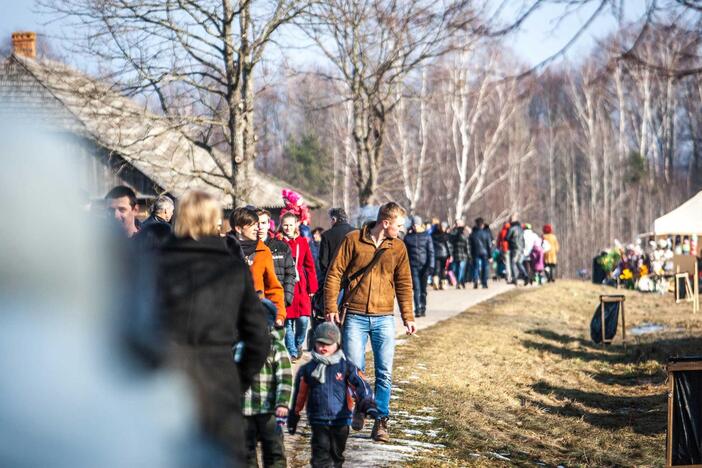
point(548, 229)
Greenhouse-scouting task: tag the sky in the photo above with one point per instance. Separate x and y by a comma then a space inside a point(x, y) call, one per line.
point(540, 36)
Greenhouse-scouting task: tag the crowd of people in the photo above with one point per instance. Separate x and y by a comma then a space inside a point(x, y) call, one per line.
point(441, 255)
point(645, 266)
point(240, 308)
point(236, 307)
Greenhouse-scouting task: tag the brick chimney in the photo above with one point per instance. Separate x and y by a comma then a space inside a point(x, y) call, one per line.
point(24, 44)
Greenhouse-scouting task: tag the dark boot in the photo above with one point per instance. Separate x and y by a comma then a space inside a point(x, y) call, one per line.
point(380, 430)
point(359, 420)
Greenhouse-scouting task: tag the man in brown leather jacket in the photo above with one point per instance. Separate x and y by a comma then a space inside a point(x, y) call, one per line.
point(375, 264)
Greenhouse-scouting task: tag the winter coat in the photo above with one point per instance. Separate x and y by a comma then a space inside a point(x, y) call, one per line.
point(515, 237)
point(153, 219)
point(272, 386)
point(530, 240)
point(307, 278)
point(442, 246)
point(502, 242)
point(420, 250)
point(284, 266)
point(460, 250)
point(265, 281)
point(480, 242)
point(551, 257)
point(207, 303)
point(390, 277)
point(537, 258)
point(331, 403)
point(331, 240)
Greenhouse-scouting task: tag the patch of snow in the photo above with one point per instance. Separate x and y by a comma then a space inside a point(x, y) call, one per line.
point(404, 382)
point(398, 390)
point(647, 328)
point(426, 409)
point(498, 456)
point(416, 443)
point(412, 431)
point(414, 377)
point(400, 342)
point(425, 419)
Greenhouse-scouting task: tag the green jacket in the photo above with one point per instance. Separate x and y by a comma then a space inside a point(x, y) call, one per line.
point(272, 387)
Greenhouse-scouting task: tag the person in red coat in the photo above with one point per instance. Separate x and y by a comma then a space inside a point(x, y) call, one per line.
point(298, 313)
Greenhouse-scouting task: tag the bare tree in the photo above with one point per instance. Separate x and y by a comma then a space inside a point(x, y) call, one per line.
point(374, 45)
point(194, 60)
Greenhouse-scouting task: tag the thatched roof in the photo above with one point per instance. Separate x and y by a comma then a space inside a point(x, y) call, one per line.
point(157, 147)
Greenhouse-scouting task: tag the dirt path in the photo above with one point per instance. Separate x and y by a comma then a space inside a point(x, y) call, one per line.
point(405, 428)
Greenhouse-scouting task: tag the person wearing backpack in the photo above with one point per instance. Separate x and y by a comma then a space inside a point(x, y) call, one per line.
point(373, 267)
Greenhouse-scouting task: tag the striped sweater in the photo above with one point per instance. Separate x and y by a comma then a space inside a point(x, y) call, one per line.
point(272, 386)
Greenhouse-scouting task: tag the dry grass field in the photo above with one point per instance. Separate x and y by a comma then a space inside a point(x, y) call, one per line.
point(516, 380)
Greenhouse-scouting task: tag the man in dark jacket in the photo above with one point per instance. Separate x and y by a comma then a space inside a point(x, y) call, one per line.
point(328, 246)
point(460, 252)
point(161, 212)
point(420, 250)
point(515, 239)
point(480, 249)
point(283, 261)
point(208, 304)
point(331, 239)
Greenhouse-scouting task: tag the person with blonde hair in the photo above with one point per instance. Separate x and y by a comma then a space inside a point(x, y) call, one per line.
point(206, 303)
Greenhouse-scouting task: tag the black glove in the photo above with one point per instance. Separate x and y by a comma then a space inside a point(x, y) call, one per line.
point(293, 419)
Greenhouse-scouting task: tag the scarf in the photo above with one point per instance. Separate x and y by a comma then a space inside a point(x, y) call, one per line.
point(320, 371)
point(248, 246)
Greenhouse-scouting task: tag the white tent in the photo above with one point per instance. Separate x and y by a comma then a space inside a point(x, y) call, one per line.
point(685, 219)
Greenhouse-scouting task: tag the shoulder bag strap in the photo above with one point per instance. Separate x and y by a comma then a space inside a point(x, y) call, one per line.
point(363, 272)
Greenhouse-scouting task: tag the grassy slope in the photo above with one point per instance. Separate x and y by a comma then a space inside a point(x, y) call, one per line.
point(518, 376)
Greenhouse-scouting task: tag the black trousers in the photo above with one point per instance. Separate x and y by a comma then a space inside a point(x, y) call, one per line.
point(419, 288)
point(263, 427)
point(328, 444)
point(551, 272)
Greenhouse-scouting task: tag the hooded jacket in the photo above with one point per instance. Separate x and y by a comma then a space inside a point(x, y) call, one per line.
point(331, 403)
point(389, 278)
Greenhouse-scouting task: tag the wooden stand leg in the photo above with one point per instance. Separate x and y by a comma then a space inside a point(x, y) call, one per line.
point(621, 308)
point(669, 434)
point(602, 316)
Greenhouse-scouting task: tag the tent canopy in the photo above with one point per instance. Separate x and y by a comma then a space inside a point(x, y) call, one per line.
point(685, 219)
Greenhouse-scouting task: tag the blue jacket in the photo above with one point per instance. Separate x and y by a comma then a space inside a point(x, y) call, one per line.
point(331, 403)
point(480, 242)
point(420, 250)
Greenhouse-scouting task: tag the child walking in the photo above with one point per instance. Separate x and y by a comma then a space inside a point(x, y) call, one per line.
point(265, 405)
point(328, 385)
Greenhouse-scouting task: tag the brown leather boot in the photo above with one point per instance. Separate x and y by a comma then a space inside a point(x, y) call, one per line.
point(380, 430)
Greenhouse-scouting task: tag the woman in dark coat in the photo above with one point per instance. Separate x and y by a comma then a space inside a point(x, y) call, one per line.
point(442, 252)
point(207, 304)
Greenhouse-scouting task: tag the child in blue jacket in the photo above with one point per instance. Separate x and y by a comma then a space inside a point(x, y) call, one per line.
point(328, 386)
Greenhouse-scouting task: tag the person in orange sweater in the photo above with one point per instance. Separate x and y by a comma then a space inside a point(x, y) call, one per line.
point(244, 243)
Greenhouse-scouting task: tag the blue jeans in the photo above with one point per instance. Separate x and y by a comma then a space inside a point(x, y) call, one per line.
point(480, 270)
point(459, 269)
point(381, 330)
point(295, 334)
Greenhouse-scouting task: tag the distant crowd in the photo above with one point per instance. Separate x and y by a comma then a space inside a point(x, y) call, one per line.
point(240, 308)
